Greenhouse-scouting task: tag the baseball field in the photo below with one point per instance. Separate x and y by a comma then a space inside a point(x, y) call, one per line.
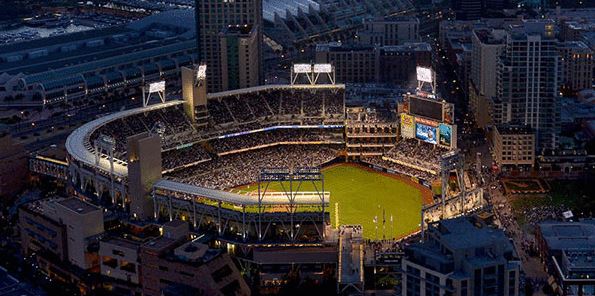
point(387, 206)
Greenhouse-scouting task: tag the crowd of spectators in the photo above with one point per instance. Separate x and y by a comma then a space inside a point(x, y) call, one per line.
point(401, 169)
point(276, 136)
point(228, 114)
point(276, 102)
point(237, 169)
point(417, 153)
point(176, 158)
point(170, 123)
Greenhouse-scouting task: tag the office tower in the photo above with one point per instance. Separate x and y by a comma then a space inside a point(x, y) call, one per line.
point(144, 168)
point(487, 47)
point(527, 85)
point(461, 256)
point(576, 63)
point(239, 56)
point(213, 18)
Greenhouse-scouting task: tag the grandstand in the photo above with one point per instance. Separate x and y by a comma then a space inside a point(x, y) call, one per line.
point(243, 132)
point(238, 134)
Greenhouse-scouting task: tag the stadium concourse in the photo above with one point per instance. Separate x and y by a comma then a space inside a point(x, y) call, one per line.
point(242, 132)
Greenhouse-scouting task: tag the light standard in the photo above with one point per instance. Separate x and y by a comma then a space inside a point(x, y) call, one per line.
point(376, 225)
point(392, 226)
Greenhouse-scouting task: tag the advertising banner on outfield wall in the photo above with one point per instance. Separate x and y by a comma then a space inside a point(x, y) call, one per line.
point(445, 132)
point(407, 126)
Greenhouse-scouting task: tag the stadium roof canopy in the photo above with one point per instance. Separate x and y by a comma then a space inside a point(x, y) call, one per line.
point(79, 147)
point(270, 8)
point(238, 199)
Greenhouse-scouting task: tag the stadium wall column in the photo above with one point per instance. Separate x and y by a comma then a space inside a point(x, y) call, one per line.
point(144, 168)
point(194, 91)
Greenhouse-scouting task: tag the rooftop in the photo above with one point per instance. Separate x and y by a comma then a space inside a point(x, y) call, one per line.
point(579, 259)
point(575, 45)
point(561, 236)
point(462, 233)
point(489, 36)
point(78, 206)
point(508, 129)
point(53, 152)
point(121, 242)
point(159, 244)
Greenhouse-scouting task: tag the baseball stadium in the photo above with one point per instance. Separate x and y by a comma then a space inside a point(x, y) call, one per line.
point(273, 164)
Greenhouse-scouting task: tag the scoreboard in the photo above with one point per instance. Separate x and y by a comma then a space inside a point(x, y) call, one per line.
point(428, 120)
point(425, 108)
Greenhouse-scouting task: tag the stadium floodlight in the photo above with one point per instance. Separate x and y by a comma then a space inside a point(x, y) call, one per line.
point(424, 74)
point(202, 72)
point(323, 68)
point(156, 87)
point(302, 68)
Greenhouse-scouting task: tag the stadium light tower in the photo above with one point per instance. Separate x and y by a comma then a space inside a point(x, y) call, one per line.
point(155, 87)
point(312, 73)
point(327, 69)
point(290, 182)
point(301, 70)
point(426, 76)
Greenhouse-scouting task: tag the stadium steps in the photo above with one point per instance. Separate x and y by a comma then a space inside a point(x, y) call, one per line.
point(229, 111)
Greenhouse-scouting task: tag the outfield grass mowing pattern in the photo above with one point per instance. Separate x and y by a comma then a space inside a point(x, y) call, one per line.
point(363, 194)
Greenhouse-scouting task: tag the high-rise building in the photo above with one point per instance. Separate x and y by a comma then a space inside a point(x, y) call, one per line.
point(461, 256)
point(576, 63)
point(214, 17)
point(487, 45)
point(527, 83)
point(239, 56)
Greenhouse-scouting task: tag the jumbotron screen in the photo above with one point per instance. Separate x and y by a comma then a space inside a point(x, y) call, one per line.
point(425, 108)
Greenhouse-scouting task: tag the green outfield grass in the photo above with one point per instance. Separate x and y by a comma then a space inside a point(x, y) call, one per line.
point(360, 195)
